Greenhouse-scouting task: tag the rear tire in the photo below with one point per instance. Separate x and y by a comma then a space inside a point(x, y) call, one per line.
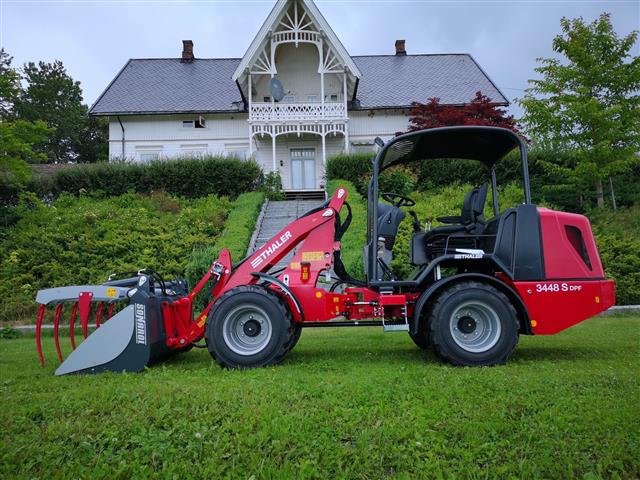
point(249, 327)
point(473, 324)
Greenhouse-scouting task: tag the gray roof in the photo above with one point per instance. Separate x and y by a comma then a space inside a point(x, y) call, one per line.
point(165, 85)
point(395, 81)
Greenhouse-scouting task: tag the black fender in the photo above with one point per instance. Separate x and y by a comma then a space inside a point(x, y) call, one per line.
point(523, 313)
point(281, 285)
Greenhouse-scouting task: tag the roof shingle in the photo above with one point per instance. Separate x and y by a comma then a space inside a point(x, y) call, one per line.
point(146, 86)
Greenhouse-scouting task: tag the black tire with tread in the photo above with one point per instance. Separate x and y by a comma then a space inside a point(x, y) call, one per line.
point(280, 316)
point(439, 331)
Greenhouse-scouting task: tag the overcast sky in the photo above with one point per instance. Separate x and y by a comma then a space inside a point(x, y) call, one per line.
point(94, 39)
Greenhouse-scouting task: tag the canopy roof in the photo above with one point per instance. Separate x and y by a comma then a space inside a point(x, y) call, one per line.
point(484, 144)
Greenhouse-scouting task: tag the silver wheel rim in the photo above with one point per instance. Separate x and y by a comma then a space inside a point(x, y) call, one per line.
point(475, 326)
point(247, 330)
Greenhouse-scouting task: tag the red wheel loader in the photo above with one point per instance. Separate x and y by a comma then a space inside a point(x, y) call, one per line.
point(478, 283)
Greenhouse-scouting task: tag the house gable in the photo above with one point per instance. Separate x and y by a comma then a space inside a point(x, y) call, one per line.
point(295, 22)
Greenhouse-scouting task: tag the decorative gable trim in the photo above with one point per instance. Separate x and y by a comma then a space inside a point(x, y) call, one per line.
point(277, 15)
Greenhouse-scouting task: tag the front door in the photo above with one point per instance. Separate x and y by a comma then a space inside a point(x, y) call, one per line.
point(303, 168)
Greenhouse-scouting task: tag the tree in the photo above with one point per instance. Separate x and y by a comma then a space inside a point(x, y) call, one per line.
point(479, 111)
point(53, 96)
point(9, 85)
point(588, 102)
point(18, 146)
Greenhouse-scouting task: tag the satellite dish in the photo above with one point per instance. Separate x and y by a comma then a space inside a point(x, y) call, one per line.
point(277, 90)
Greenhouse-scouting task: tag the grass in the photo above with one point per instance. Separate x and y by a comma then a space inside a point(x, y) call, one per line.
point(346, 403)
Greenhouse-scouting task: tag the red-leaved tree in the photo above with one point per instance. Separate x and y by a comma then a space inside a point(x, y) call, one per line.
point(480, 111)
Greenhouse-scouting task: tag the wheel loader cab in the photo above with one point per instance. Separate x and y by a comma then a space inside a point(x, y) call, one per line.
point(457, 234)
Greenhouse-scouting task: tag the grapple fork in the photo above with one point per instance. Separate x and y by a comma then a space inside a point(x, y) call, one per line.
point(117, 342)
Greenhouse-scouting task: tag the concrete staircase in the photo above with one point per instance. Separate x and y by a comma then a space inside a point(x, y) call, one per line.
point(275, 215)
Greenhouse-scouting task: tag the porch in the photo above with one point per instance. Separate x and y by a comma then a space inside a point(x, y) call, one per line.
point(300, 159)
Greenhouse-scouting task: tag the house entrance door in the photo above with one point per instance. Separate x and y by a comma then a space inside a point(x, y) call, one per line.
point(303, 168)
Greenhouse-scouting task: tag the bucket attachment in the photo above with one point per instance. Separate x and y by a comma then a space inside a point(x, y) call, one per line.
point(125, 341)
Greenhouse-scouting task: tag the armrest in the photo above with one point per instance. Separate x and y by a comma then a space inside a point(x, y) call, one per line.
point(450, 219)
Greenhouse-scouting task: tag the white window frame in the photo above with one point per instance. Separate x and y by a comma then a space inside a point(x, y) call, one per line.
point(151, 153)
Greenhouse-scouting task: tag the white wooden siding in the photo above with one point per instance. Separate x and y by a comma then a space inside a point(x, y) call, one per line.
point(229, 134)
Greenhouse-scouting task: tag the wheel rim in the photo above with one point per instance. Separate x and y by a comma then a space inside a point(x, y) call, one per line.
point(247, 330)
point(475, 326)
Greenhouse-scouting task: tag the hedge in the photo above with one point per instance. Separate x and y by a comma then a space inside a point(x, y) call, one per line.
point(83, 240)
point(235, 237)
point(185, 177)
point(433, 175)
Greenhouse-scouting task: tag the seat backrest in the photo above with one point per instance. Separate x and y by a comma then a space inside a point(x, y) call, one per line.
point(472, 211)
point(479, 202)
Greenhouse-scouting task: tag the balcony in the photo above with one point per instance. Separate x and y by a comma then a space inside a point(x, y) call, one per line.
point(292, 112)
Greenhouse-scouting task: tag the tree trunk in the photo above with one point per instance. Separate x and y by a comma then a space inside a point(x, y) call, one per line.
point(613, 195)
point(599, 193)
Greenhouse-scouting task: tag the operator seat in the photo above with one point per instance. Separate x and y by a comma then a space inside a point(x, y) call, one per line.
point(471, 220)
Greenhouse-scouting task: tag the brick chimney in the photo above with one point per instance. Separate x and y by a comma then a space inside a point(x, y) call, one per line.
point(187, 51)
point(400, 47)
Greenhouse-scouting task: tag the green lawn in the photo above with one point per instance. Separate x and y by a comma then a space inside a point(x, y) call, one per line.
point(347, 403)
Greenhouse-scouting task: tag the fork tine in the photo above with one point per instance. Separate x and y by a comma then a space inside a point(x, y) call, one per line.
point(72, 323)
point(41, 310)
point(56, 326)
point(99, 314)
point(84, 306)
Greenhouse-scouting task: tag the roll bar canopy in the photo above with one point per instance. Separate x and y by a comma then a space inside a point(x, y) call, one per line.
point(487, 145)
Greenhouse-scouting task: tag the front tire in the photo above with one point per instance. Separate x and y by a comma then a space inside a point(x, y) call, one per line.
point(248, 327)
point(473, 324)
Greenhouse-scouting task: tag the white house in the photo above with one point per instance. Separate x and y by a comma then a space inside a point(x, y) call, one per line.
point(333, 102)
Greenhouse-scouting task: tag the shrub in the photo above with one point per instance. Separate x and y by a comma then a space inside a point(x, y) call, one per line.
point(83, 240)
point(354, 168)
point(356, 236)
point(185, 177)
point(618, 238)
point(235, 237)
point(273, 186)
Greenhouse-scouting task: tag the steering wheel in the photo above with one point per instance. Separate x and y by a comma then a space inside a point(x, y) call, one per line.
point(397, 200)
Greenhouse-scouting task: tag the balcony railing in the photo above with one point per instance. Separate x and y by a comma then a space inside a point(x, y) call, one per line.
point(269, 112)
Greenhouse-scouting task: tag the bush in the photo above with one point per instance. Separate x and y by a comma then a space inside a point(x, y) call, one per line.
point(273, 186)
point(356, 236)
point(83, 240)
point(185, 177)
point(354, 168)
point(618, 238)
point(235, 237)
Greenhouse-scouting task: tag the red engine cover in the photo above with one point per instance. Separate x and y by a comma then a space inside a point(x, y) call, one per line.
point(569, 248)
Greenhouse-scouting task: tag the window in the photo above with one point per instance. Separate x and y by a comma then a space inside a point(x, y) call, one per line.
point(193, 150)
point(362, 148)
point(147, 155)
point(577, 242)
point(334, 98)
point(236, 151)
point(199, 122)
point(312, 98)
point(289, 98)
point(266, 99)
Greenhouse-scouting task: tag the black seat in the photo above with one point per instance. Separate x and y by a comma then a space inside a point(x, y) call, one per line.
point(471, 220)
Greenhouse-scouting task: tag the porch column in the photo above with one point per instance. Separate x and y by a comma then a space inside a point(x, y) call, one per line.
point(324, 149)
point(273, 150)
point(250, 125)
point(346, 137)
point(344, 98)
